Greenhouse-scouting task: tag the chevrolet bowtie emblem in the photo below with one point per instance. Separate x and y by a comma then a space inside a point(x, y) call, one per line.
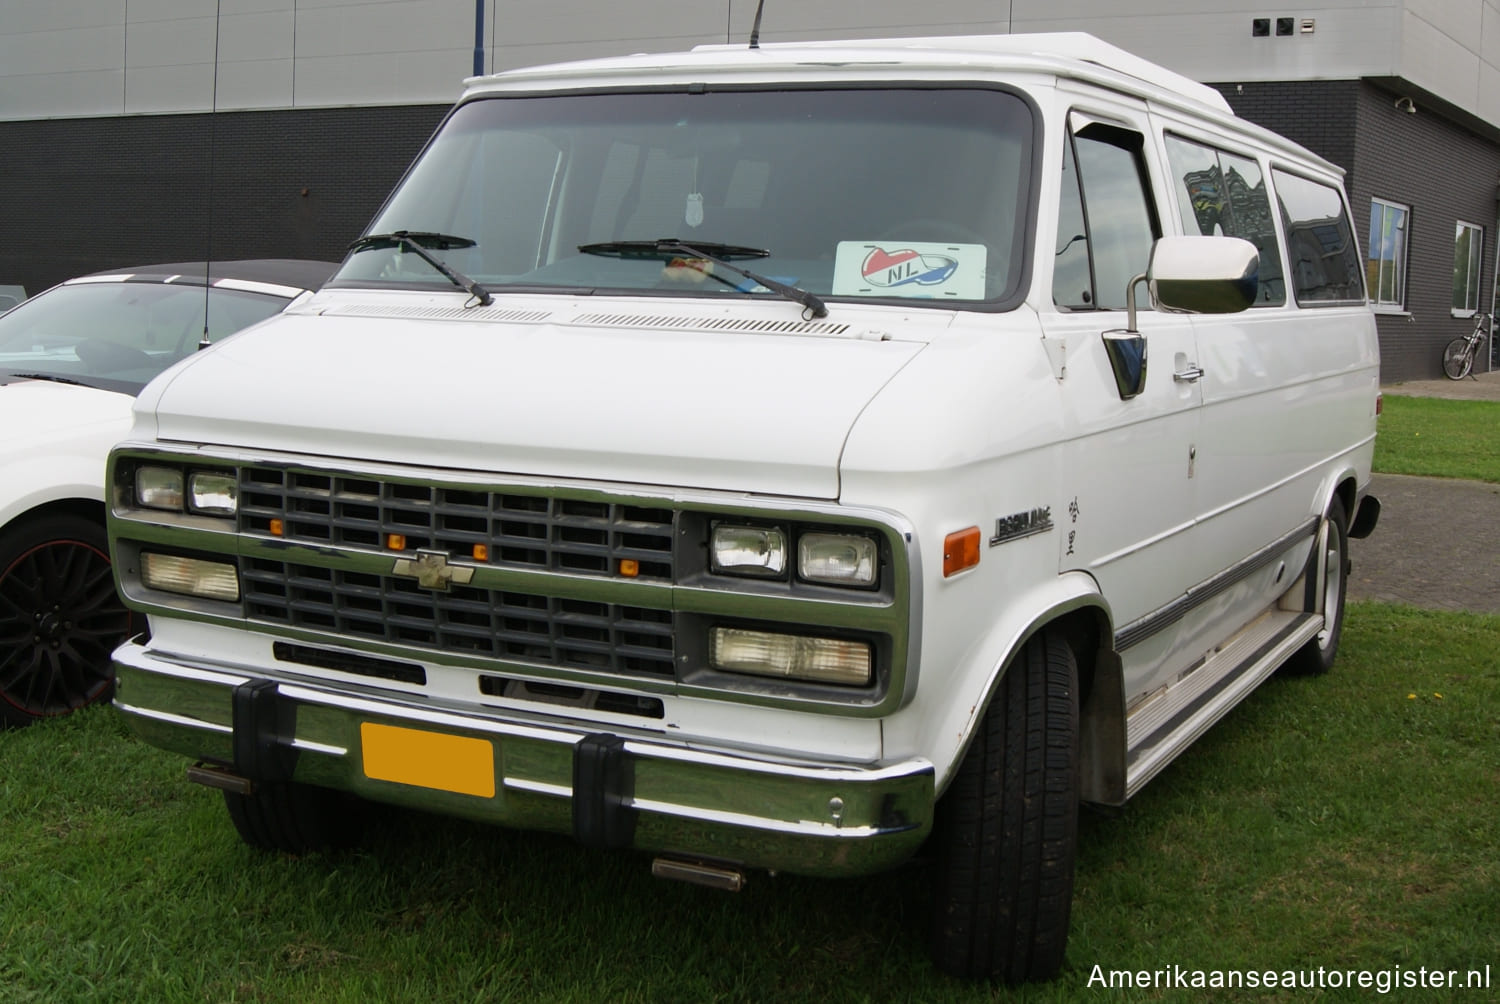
point(432, 571)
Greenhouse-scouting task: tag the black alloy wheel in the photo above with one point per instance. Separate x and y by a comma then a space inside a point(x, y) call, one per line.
point(60, 618)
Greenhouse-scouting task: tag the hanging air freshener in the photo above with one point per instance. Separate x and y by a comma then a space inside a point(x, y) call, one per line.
point(693, 215)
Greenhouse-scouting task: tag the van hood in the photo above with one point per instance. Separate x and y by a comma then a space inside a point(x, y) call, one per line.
point(672, 405)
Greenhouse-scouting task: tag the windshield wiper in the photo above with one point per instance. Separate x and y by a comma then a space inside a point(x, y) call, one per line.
point(415, 239)
point(719, 254)
point(46, 376)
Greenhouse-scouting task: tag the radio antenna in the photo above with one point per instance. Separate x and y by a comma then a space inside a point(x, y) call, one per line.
point(213, 108)
point(755, 28)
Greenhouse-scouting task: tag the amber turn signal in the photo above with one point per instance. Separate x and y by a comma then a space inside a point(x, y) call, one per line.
point(960, 551)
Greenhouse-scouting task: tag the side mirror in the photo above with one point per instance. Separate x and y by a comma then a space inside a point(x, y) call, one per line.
point(1190, 275)
point(1203, 275)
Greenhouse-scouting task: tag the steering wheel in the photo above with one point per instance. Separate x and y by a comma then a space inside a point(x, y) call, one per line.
point(103, 357)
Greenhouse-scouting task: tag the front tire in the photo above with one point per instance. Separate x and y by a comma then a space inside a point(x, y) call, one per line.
point(1457, 359)
point(60, 618)
point(1007, 828)
point(1327, 571)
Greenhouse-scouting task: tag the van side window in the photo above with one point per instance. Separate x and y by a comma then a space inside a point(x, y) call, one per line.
point(1325, 259)
point(1119, 222)
point(1222, 193)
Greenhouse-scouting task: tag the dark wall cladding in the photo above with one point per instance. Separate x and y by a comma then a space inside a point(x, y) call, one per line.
point(81, 195)
point(1443, 171)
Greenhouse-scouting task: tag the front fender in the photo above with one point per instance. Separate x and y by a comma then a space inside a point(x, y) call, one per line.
point(942, 720)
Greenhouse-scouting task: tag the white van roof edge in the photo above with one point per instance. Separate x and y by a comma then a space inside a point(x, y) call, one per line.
point(1062, 53)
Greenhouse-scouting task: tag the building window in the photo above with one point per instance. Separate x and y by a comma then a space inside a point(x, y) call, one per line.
point(1386, 268)
point(1468, 254)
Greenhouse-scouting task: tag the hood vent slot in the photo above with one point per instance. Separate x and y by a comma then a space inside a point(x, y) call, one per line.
point(690, 323)
point(440, 313)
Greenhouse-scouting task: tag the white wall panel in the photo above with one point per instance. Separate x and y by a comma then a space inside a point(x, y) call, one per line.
point(49, 95)
point(168, 42)
point(257, 36)
point(85, 57)
point(1346, 43)
point(382, 26)
point(529, 32)
point(1489, 92)
point(20, 17)
point(230, 8)
point(407, 78)
point(177, 88)
point(1489, 36)
point(1460, 20)
point(255, 83)
point(829, 19)
point(1436, 61)
point(59, 51)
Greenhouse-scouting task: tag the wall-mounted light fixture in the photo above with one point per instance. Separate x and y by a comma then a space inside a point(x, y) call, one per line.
point(1407, 105)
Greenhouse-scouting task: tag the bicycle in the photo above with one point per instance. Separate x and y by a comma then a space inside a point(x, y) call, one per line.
point(1459, 356)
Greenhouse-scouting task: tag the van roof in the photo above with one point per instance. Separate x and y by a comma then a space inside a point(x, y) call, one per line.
point(1066, 54)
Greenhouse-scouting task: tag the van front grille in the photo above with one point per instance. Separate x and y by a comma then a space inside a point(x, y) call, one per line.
point(511, 528)
point(518, 627)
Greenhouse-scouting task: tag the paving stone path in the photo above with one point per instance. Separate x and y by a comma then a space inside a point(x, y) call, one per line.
point(1437, 545)
point(1438, 542)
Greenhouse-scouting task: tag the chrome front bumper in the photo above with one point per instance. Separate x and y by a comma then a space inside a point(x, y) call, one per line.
point(639, 791)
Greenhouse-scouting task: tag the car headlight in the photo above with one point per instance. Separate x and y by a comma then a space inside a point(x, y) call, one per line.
point(159, 488)
point(214, 580)
point(837, 559)
point(748, 550)
point(764, 653)
point(213, 494)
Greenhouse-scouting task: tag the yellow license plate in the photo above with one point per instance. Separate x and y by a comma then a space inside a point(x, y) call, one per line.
point(428, 759)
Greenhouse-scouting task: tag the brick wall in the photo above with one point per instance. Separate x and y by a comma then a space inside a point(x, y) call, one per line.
point(80, 195)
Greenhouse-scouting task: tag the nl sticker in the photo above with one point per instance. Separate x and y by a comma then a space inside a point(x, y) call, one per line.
point(918, 269)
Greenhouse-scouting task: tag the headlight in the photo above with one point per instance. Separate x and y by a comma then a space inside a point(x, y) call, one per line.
point(836, 558)
point(159, 488)
point(213, 494)
point(749, 550)
point(823, 660)
point(212, 580)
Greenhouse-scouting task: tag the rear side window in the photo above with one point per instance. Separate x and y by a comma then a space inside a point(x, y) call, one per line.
point(1219, 192)
point(1325, 259)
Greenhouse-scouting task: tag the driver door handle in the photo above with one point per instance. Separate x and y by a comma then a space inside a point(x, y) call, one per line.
point(1192, 374)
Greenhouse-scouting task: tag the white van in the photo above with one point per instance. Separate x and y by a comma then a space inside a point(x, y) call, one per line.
point(772, 458)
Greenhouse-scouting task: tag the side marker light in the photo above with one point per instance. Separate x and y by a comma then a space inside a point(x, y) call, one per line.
point(960, 551)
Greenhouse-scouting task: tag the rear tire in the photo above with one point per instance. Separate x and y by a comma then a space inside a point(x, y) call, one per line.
point(1007, 829)
point(1318, 654)
point(60, 618)
point(294, 818)
point(1457, 359)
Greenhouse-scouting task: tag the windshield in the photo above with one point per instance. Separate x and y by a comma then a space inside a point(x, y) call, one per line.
point(118, 335)
point(895, 194)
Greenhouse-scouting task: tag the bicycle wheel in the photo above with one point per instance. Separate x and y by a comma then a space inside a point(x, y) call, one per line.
point(1457, 359)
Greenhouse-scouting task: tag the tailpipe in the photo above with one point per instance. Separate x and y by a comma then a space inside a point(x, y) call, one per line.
point(725, 878)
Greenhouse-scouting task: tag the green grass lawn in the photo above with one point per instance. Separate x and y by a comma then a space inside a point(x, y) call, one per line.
point(1344, 821)
point(1450, 439)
